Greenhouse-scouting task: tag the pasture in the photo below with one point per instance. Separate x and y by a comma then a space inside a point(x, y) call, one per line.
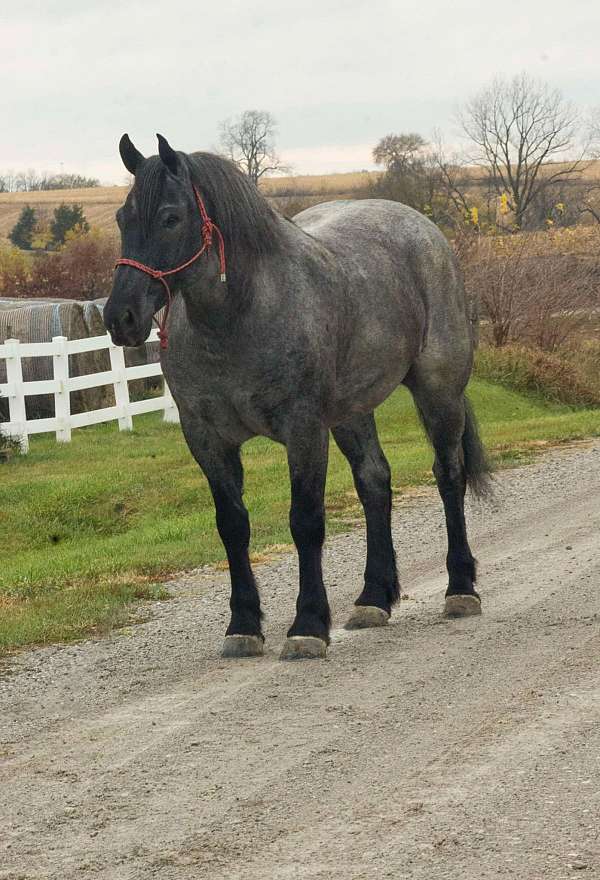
point(88, 527)
point(100, 203)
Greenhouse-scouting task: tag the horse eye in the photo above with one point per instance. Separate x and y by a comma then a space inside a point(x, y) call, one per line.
point(171, 220)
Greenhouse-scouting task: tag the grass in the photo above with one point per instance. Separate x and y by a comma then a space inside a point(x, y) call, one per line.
point(345, 184)
point(88, 527)
point(101, 202)
point(565, 376)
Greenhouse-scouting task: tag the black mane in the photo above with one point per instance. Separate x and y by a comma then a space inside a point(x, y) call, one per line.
point(149, 181)
point(247, 221)
point(250, 227)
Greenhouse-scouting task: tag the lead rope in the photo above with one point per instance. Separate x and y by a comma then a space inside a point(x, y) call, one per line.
point(208, 230)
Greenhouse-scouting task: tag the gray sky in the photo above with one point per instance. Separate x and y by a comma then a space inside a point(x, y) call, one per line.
point(337, 74)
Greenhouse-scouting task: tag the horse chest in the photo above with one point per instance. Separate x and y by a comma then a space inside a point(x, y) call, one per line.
point(238, 403)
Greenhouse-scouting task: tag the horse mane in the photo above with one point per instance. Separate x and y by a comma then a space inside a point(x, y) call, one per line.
point(250, 227)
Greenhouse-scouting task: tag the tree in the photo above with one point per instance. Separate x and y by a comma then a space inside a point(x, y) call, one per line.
point(23, 231)
point(418, 174)
point(399, 152)
point(517, 127)
point(249, 141)
point(67, 218)
point(31, 181)
point(594, 133)
point(27, 181)
point(68, 181)
point(591, 201)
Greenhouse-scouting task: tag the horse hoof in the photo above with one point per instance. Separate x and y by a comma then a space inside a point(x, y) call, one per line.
point(462, 606)
point(365, 616)
point(303, 648)
point(242, 646)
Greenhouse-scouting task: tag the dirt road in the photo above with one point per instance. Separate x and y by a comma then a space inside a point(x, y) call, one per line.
point(427, 749)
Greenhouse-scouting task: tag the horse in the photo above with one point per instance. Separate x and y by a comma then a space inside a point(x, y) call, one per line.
point(293, 329)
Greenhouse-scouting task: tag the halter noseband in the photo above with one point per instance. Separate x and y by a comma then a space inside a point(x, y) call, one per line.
point(208, 230)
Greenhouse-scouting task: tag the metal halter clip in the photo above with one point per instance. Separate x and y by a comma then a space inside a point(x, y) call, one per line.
point(223, 277)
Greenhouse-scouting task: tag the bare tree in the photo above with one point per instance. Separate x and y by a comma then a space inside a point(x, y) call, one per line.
point(249, 141)
point(32, 181)
point(594, 133)
point(418, 174)
point(591, 201)
point(518, 126)
point(453, 181)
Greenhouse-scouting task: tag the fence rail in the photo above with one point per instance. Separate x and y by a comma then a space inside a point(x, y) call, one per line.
point(16, 390)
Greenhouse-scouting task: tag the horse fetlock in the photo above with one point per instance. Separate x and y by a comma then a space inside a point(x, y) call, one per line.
point(311, 625)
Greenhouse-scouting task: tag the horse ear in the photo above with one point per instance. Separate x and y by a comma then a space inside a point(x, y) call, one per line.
point(129, 154)
point(167, 154)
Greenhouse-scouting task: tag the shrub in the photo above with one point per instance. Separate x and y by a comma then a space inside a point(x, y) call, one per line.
point(14, 272)
point(562, 378)
point(528, 295)
point(82, 270)
point(289, 206)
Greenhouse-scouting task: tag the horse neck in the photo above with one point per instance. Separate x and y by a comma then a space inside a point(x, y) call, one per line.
point(260, 283)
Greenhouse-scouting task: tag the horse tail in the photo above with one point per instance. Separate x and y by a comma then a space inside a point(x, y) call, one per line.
point(477, 466)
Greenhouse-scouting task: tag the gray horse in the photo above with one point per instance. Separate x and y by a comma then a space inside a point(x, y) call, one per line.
point(318, 320)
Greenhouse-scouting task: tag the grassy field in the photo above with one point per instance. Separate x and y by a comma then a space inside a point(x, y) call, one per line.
point(87, 527)
point(100, 203)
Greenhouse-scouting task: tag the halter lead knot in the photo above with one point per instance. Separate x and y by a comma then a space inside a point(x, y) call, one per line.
point(208, 230)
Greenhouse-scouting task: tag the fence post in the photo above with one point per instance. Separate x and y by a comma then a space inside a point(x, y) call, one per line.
point(16, 401)
point(117, 365)
point(171, 412)
point(62, 397)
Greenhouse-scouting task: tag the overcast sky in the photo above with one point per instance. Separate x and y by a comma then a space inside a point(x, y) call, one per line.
point(336, 74)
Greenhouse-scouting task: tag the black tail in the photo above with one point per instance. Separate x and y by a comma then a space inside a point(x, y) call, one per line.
point(477, 466)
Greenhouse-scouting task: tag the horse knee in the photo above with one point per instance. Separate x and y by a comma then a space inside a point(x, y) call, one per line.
point(233, 524)
point(307, 519)
point(373, 477)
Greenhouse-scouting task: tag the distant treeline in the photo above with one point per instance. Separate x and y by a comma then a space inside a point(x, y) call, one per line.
point(32, 181)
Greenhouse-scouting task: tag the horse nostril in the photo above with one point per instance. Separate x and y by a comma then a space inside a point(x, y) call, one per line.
point(128, 319)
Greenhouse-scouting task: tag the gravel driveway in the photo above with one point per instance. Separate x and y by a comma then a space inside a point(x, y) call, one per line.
point(427, 749)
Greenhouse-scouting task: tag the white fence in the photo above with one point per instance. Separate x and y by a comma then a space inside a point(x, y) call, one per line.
point(15, 389)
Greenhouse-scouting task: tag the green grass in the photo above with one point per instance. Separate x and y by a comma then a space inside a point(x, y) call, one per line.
point(87, 527)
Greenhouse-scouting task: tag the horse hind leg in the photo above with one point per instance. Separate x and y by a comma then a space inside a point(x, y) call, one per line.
point(358, 441)
point(459, 458)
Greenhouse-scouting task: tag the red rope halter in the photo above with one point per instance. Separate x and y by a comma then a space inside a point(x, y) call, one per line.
point(208, 230)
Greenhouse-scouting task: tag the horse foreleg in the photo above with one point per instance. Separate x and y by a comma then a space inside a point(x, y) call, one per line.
point(307, 451)
point(223, 469)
